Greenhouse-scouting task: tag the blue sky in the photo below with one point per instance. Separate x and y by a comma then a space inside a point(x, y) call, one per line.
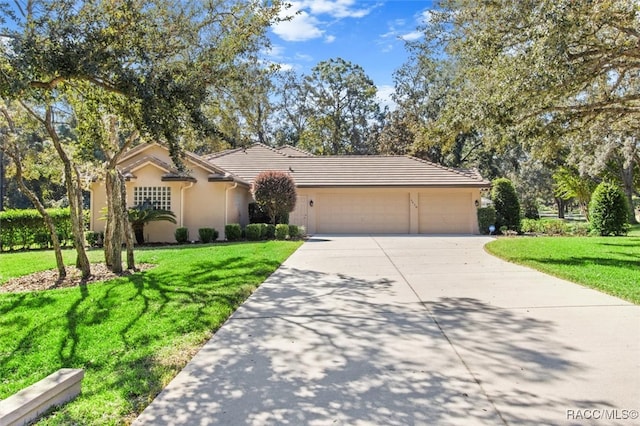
point(369, 33)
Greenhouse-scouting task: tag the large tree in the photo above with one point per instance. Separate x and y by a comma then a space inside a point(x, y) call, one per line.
point(340, 105)
point(537, 68)
point(163, 56)
point(17, 137)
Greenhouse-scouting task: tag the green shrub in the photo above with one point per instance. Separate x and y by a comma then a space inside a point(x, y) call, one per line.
point(42, 239)
point(275, 194)
point(486, 218)
point(505, 201)
point(233, 231)
point(529, 226)
point(94, 239)
point(608, 210)
point(182, 235)
point(554, 227)
point(579, 228)
point(253, 231)
point(282, 231)
point(207, 235)
point(269, 232)
point(530, 209)
point(294, 231)
point(21, 228)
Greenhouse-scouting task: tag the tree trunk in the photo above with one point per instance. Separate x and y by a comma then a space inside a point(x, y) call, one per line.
point(561, 206)
point(62, 272)
point(118, 228)
point(626, 174)
point(15, 156)
point(113, 232)
point(74, 192)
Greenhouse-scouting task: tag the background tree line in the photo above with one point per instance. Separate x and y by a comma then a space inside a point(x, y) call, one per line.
point(543, 92)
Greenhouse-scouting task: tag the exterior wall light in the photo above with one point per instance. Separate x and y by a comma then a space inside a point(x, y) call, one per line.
point(310, 203)
point(477, 203)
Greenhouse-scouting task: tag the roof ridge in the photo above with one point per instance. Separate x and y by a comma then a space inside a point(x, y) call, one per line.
point(222, 153)
point(440, 166)
point(270, 148)
point(295, 148)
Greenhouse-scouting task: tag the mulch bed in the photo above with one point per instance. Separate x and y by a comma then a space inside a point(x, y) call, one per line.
point(48, 280)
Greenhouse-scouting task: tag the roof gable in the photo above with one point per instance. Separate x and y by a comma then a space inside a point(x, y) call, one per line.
point(158, 156)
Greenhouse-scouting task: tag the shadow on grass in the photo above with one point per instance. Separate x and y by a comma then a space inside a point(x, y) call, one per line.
point(631, 265)
point(621, 242)
point(115, 330)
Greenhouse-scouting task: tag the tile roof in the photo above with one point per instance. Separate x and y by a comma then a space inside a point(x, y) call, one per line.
point(292, 151)
point(344, 171)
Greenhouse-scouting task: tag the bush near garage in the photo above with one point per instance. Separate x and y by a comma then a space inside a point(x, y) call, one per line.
point(486, 218)
point(608, 210)
point(505, 201)
point(253, 231)
point(282, 231)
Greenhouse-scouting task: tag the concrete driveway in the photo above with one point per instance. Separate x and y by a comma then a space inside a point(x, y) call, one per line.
point(402, 330)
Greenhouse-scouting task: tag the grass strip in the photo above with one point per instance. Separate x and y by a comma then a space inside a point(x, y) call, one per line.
point(132, 335)
point(608, 264)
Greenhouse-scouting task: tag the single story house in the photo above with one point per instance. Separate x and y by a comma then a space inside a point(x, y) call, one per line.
point(336, 194)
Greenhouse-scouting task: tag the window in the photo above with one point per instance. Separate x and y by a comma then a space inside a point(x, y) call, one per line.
point(158, 196)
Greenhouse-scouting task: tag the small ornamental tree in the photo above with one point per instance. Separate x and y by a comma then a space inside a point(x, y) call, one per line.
point(506, 203)
point(608, 210)
point(275, 193)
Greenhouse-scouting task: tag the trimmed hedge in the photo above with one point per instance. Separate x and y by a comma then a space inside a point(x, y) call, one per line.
point(294, 231)
point(486, 218)
point(207, 235)
point(233, 232)
point(182, 235)
point(554, 227)
point(254, 231)
point(282, 231)
point(22, 229)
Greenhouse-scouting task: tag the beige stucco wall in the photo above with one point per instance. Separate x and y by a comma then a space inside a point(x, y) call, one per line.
point(373, 210)
point(452, 215)
point(196, 205)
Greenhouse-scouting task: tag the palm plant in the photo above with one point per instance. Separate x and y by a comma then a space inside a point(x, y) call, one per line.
point(142, 214)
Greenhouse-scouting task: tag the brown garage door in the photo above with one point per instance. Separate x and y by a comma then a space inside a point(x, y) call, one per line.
point(363, 213)
point(445, 213)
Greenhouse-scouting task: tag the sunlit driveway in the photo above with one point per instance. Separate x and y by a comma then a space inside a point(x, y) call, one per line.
point(400, 330)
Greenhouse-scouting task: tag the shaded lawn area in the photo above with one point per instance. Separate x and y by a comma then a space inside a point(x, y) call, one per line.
point(132, 335)
point(608, 264)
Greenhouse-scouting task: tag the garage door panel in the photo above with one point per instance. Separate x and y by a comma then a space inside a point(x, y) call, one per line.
point(445, 213)
point(363, 213)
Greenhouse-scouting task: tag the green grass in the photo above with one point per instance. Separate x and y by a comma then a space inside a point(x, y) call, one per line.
point(608, 264)
point(132, 335)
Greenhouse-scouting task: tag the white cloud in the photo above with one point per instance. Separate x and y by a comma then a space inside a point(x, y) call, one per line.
point(337, 8)
point(384, 96)
point(301, 28)
point(274, 51)
point(303, 18)
point(303, 57)
point(425, 17)
point(412, 36)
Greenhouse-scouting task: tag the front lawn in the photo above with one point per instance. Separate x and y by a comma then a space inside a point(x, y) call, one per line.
point(132, 335)
point(609, 264)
